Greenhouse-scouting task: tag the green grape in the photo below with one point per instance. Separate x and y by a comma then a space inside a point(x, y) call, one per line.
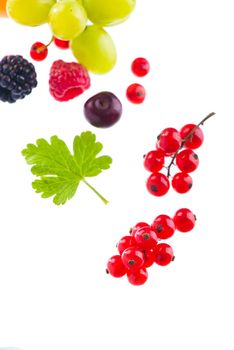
point(29, 12)
point(95, 49)
point(67, 19)
point(106, 12)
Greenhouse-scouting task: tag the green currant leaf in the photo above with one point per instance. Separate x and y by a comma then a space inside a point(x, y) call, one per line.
point(59, 172)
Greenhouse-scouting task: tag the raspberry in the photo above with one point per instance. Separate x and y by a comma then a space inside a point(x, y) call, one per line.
point(17, 78)
point(68, 80)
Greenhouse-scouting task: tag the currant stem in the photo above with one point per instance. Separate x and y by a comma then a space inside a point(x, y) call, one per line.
point(51, 40)
point(185, 140)
point(95, 191)
point(42, 48)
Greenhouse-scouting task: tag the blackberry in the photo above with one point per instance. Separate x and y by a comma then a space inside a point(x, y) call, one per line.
point(17, 78)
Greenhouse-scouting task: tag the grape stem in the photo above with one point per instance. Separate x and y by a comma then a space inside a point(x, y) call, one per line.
point(185, 140)
point(95, 191)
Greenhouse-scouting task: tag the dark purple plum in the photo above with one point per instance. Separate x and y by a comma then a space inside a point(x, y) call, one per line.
point(103, 109)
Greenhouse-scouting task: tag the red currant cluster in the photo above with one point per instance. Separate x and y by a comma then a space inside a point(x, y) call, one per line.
point(39, 51)
point(141, 249)
point(179, 146)
point(136, 92)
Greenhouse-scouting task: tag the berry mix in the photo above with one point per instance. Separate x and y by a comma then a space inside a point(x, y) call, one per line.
point(95, 53)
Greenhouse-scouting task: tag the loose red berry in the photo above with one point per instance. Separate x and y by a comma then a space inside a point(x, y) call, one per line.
point(163, 254)
point(115, 266)
point(149, 256)
point(154, 160)
point(182, 182)
point(164, 226)
point(62, 44)
point(196, 140)
point(138, 277)
point(132, 258)
point(125, 242)
point(169, 141)
point(135, 228)
point(38, 51)
point(184, 220)
point(146, 238)
point(187, 160)
point(140, 67)
point(136, 93)
point(158, 184)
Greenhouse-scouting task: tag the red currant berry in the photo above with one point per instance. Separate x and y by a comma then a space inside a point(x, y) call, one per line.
point(62, 44)
point(135, 228)
point(184, 220)
point(182, 182)
point(169, 141)
point(138, 277)
point(140, 67)
point(163, 254)
point(38, 51)
point(115, 266)
point(187, 160)
point(196, 140)
point(149, 257)
point(136, 93)
point(164, 226)
point(125, 242)
point(158, 184)
point(132, 258)
point(154, 160)
point(146, 238)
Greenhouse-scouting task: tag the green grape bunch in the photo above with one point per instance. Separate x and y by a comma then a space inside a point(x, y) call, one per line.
point(70, 20)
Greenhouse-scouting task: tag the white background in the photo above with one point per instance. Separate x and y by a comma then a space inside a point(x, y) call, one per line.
point(54, 293)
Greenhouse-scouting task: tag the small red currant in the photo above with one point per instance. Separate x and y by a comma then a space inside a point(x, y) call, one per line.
point(132, 258)
point(184, 220)
point(136, 93)
point(154, 160)
point(196, 140)
point(158, 184)
point(182, 182)
point(164, 226)
point(163, 254)
point(138, 277)
point(125, 242)
point(62, 44)
point(115, 266)
point(38, 51)
point(140, 67)
point(149, 256)
point(187, 160)
point(169, 141)
point(135, 228)
point(146, 238)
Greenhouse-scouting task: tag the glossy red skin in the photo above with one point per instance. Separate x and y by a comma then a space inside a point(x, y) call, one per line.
point(164, 226)
point(138, 277)
point(182, 182)
point(154, 160)
point(158, 184)
point(139, 225)
point(169, 141)
point(187, 160)
point(132, 258)
point(115, 266)
point(163, 254)
point(140, 67)
point(38, 51)
point(146, 238)
point(196, 140)
point(136, 93)
point(149, 257)
point(62, 44)
point(184, 220)
point(125, 242)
